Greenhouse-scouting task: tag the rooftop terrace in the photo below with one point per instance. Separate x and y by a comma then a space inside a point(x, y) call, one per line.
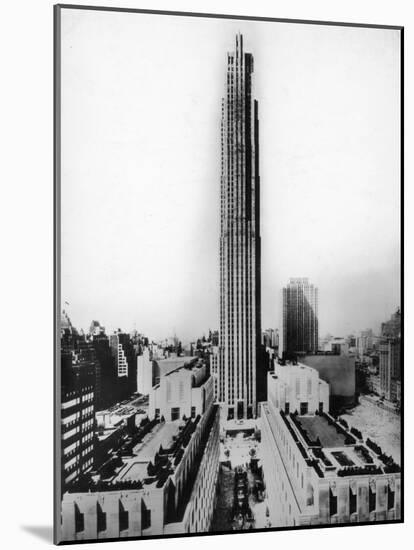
point(318, 427)
point(334, 448)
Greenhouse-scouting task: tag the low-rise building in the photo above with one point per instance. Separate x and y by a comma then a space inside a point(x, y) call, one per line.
point(318, 470)
point(161, 481)
point(185, 391)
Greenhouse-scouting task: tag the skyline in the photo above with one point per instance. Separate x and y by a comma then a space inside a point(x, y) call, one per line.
point(335, 222)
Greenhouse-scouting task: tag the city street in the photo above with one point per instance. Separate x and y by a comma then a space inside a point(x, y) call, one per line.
point(235, 453)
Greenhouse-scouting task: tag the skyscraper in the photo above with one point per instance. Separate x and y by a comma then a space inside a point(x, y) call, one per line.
point(300, 318)
point(240, 322)
point(390, 357)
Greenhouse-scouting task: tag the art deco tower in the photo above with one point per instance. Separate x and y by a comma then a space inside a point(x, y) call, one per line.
point(240, 321)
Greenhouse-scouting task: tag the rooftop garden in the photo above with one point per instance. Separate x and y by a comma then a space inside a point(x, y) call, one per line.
point(359, 470)
point(86, 484)
point(342, 458)
point(322, 456)
point(363, 453)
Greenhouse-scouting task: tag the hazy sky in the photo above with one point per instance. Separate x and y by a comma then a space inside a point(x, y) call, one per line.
point(141, 102)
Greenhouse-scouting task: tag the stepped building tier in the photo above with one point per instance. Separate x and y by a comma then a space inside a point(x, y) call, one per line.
point(240, 321)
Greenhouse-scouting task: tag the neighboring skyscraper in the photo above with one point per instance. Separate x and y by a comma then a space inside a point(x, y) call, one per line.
point(145, 372)
point(78, 416)
point(123, 351)
point(389, 357)
point(240, 323)
point(300, 318)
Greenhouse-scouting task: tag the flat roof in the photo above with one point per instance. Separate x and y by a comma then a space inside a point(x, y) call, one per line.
point(162, 434)
point(317, 426)
point(135, 468)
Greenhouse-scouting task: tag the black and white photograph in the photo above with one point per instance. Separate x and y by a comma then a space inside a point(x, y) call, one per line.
point(229, 284)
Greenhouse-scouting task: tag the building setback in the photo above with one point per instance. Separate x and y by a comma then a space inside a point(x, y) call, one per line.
point(240, 321)
point(300, 318)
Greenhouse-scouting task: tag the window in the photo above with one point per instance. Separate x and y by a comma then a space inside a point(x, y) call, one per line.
point(391, 498)
point(175, 413)
point(321, 407)
point(101, 518)
point(333, 503)
point(123, 517)
point(193, 412)
point(145, 516)
point(352, 502)
point(287, 408)
point(157, 413)
point(303, 409)
point(309, 495)
point(372, 500)
point(79, 520)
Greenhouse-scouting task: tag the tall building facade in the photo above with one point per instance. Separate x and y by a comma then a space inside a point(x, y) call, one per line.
point(240, 302)
point(126, 363)
point(77, 416)
point(390, 358)
point(300, 318)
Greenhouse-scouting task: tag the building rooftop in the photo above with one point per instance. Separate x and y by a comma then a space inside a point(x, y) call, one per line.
point(136, 468)
point(335, 449)
point(317, 426)
point(161, 435)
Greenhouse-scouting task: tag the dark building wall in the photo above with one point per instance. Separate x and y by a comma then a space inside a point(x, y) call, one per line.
point(339, 372)
point(77, 417)
point(300, 318)
point(109, 394)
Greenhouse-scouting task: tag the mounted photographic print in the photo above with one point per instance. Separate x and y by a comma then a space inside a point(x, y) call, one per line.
point(228, 290)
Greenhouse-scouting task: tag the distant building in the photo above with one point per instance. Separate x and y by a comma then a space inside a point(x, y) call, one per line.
point(270, 338)
point(318, 471)
point(123, 351)
point(145, 372)
point(374, 384)
point(96, 329)
point(300, 318)
point(390, 357)
point(336, 345)
point(366, 342)
point(166, 481)
point(109, 394)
